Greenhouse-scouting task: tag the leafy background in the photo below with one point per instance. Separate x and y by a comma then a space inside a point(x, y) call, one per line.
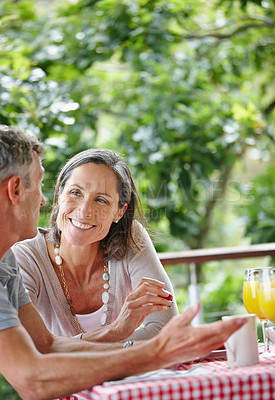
point(183, 90)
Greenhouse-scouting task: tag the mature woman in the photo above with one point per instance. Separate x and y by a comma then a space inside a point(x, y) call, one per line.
point(95, 272)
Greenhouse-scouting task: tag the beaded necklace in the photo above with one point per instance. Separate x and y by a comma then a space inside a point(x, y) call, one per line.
point(105, 294)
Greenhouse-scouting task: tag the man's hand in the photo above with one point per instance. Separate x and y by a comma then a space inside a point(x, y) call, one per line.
point(180, 342)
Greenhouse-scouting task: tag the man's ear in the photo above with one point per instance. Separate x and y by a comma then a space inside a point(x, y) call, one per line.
point(15, 189)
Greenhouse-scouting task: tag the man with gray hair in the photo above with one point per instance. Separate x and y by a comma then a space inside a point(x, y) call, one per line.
point(36, 363)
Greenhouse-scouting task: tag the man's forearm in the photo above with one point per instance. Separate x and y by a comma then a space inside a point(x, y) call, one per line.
point(37, 376)
point(58, 375)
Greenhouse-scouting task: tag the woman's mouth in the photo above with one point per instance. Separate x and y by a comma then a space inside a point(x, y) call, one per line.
point(81, 225)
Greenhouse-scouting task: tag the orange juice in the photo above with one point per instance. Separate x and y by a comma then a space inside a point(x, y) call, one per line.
point(267, 300)
point(250, 298)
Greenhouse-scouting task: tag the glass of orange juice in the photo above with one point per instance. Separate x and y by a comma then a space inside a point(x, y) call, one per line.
point(267, 293)
point(251, 299)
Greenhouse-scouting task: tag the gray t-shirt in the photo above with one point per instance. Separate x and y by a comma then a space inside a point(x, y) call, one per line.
point(12, 291)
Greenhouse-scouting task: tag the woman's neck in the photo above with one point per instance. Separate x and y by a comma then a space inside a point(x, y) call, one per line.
point(78, 261)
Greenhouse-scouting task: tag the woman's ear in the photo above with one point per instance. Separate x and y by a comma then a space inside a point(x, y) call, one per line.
point(121, 212)
point(15, 189)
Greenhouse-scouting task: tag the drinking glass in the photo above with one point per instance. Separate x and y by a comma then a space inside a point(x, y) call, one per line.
point(251, 299)
point(267, 293)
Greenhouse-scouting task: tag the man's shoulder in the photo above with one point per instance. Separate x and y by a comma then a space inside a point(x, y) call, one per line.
point(8, 258)
point(8, 265)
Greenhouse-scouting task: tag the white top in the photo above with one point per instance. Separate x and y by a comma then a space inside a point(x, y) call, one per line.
point(90, 321)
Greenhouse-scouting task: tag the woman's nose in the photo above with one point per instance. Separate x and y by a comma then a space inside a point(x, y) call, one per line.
point(85, 210)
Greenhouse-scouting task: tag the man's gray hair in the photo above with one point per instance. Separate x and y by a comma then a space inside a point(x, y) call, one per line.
point(16, 153)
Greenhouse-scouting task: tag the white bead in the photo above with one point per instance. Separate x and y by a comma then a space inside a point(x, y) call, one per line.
point(105, 307)
point(106, 276)
point(56, 250)
point(103, 318)
point(106, 286)
point(105, 297)
point(58, 260)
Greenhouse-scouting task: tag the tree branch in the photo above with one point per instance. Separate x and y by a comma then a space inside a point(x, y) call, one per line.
point(223, 180)
point(222, 36)
point(269, 108)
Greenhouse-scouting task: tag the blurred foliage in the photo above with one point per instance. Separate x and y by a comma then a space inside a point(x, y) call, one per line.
point(186, 88)
point(6, 390)
point(182, 89)
point(258, 213)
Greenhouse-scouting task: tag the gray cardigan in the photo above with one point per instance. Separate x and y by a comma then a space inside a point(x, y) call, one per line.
point(47, 295)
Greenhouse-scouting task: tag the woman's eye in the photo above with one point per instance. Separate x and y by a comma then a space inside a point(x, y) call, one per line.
point(75, 192)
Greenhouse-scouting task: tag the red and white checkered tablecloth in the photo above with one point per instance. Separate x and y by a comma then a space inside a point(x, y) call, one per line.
point(214, 380)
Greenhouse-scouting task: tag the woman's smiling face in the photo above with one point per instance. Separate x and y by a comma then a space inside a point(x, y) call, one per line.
point(88, 204)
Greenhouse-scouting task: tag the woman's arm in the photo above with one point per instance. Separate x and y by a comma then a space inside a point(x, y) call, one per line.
point(149, 296)
point(149, 303)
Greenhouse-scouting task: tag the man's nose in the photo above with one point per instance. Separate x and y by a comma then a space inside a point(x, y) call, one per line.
point(42, 203)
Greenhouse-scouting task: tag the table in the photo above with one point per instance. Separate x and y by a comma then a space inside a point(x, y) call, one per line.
point(213, 379)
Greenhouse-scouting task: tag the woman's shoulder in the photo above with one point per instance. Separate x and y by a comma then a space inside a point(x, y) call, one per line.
point(31, 244)
point(140, 234)
point(141, 239)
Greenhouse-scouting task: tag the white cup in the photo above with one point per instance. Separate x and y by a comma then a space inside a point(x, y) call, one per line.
point(242, 345)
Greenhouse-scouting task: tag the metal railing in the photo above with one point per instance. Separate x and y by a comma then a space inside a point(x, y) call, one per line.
point(199, 256)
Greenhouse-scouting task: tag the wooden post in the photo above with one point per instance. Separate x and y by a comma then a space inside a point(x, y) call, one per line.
point(194, 293)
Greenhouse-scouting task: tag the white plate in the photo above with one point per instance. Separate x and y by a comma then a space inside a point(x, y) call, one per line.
point(217, 354)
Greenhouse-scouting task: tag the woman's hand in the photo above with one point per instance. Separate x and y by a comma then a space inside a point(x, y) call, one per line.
point(147, 297)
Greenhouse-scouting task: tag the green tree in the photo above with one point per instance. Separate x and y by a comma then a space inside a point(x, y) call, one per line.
point(186, 87)
point(258, 211)
point(182, 88)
